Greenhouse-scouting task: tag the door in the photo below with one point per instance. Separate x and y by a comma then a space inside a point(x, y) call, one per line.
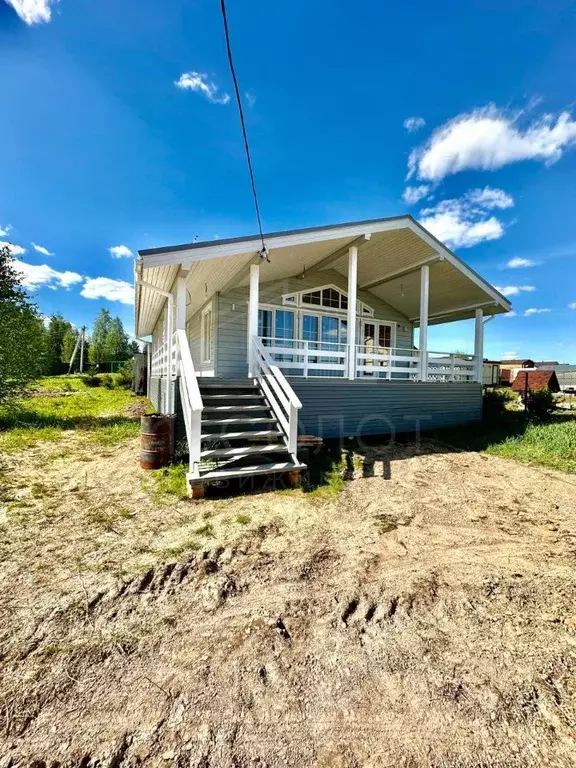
point(376, 339)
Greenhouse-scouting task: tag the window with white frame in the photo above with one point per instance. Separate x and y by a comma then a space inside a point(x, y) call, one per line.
point(206, 334)
point(326, 297)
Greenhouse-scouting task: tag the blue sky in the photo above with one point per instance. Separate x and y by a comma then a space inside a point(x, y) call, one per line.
point(101, 148)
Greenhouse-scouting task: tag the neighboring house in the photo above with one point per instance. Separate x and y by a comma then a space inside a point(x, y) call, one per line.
point(546, 364)
point(491, 373)
point(534, 380)
point(313, 334)
point(566, 375)
point(509, 369)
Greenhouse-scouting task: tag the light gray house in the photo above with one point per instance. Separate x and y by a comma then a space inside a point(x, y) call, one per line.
point(307, 332)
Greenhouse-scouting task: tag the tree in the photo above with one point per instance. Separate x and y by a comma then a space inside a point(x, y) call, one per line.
point(134, 348)
point(68, 344)
point(117, 347)
point(22, 335)
point(98, 342)
point(57, 329)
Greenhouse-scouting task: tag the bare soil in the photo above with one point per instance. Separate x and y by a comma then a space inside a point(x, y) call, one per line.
point(425, 616)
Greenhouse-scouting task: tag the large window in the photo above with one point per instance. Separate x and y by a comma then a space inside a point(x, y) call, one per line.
point(326, 297)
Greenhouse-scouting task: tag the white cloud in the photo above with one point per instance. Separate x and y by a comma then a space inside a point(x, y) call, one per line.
point(489, 138)
point(518, 263)
point(514, 290)
point(106, 288)
point(413, 124)
point(36, 275)
point(464, 222)
point(534, 311)
point(15, 250)
point(200, 83)
point(42, 250)
point(4, 230)
point(572, 306)
point(510, 355)
point(510, 314)
point(250, 98)
point(120, 252)
point(33, 11)
point(412, 195)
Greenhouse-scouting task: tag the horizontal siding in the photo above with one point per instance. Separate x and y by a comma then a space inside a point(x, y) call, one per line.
point(335, 408)
point(233, 316)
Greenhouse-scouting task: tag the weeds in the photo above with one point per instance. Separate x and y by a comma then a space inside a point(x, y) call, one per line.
point(172, 480)
point(242, 519)
point(205, 530)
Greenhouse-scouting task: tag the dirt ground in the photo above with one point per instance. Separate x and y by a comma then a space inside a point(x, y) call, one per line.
point(424, 616)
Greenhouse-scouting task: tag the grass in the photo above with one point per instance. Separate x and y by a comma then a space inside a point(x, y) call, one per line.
point(171, 480)
point(549, 444)
point(97, 413)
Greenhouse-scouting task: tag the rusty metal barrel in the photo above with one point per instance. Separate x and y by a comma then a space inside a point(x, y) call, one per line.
point(157, 440)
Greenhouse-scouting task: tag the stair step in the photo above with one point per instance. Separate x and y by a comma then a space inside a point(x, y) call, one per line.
point(220, 408)
point(232, 396)
point(244, 450)
point(258, 469)
point(258, 434)
point(240, 420)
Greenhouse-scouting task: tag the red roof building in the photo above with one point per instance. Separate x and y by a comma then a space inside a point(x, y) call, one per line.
point(535, 380)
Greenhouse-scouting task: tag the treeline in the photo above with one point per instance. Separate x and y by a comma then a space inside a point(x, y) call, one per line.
point(107, 343)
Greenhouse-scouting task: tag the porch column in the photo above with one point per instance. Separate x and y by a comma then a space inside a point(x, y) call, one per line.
point(479, 346)
point(253, 316)
point(181, 300)
point(424, 300)
point(352, 293)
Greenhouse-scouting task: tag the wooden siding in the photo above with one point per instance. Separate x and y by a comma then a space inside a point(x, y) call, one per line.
point(340, 408)
point(233, 316)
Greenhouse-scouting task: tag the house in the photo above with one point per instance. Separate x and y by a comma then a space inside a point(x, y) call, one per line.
point(311, 332)
point(546, 364)
point(566, 375)
point(491, 373)
point(509, 369)
point(534, 380)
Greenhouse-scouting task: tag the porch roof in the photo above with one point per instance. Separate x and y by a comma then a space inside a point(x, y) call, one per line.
point(390, 253)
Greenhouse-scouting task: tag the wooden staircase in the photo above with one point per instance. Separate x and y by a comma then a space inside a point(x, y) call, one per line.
point(240, 435)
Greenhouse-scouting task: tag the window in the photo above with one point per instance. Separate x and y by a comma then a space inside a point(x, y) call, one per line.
point(328, 297)
point(206, 335)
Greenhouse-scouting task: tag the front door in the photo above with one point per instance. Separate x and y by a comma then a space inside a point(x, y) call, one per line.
point(376, 339)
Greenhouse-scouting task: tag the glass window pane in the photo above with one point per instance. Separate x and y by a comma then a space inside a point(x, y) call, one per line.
point(312, 298)
point(344, 301)
point(330, 298)
point(264, 323)
point(309, 328)
point(284, 324)
point(384, 336)
point(330, 329)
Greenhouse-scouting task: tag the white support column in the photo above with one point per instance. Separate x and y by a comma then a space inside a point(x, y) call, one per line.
point(352, 294)
point(479, 345)
point(424, 301)
point(181, 300)
point(253, 316)
point(169, 400)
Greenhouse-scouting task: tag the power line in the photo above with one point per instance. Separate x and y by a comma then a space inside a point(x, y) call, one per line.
point(242, 122)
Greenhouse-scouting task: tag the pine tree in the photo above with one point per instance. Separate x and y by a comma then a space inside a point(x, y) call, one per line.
point(57, 328)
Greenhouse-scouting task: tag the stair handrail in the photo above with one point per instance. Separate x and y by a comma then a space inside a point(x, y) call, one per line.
point(283, 392)
point(192, 405)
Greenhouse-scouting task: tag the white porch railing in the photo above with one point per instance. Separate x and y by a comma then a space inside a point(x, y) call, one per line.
point(190, 398)
point(314, 358)
point(280, 395)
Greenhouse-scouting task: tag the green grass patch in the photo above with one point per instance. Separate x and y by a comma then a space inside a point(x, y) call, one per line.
point(207, 529)
point(172, 480)
point(97, 413)
point(333, 482)
point(242, 519)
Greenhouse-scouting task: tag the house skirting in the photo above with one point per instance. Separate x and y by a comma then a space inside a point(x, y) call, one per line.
point(336, 408)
